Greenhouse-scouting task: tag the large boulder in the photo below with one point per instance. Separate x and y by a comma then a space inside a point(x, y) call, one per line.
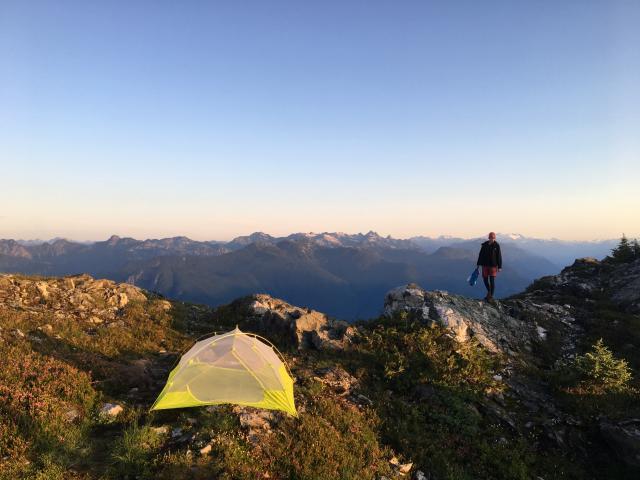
point(303, 327)
point(407, 298)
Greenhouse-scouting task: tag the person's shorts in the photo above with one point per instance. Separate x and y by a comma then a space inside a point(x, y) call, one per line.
point(489, 271)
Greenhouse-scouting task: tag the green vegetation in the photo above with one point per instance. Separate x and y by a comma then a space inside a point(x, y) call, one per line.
point(57, 370)
point(412, 392)
point(332, 440)
point(595, 373)
point(60, 370)
point(133, 452)
point(44, 408)
point(597, 383)
point(408, 354)
point(626, 251)
point(599, 372)
point(429, 392)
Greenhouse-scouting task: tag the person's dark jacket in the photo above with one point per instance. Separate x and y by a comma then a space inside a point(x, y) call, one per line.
point(490, 255)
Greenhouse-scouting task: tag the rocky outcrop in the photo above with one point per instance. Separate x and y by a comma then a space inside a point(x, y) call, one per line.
point(304, 327)
point(515, 326)
point(589, 278)
point(79, 296)
point(493, 328)
point(562, 305)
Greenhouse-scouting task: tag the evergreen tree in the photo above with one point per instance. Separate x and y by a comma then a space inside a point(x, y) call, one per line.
point(624, 252)
point(601, 372)
point(636, 249)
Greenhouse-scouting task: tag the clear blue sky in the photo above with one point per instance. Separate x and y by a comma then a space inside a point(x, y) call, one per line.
point(214, 119)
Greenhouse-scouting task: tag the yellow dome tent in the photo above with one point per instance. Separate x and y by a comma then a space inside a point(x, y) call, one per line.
point(234, 367)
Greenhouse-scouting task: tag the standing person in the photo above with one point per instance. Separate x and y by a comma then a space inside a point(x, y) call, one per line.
point(490, 259)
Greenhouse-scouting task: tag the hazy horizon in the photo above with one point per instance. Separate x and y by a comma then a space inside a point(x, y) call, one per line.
point(157, 119)
point(204, 239)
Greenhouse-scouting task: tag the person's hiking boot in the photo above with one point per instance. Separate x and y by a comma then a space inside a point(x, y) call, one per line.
point(489, 298)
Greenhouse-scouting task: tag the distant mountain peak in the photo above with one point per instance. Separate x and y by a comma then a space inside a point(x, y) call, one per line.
point(60, 241)
point(514, 236)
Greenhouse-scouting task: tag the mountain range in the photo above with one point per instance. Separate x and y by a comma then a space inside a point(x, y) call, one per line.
point(338, 273)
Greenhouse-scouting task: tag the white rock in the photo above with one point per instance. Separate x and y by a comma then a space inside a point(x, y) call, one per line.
point(42, 289)
point(111, 410)
point(71, 415)
point(162, 430)
point(165, 305)
point(542, 333)
point(258, 308)
point(454, 321)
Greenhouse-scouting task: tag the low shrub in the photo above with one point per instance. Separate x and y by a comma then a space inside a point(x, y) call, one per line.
point(132, 453)
point(330, 440)
point(408, 353)
point(44, 409)
point(597, 372)
point(43, 395)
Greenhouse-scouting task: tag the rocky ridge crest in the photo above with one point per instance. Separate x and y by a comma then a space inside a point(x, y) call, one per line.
point(78, 296)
